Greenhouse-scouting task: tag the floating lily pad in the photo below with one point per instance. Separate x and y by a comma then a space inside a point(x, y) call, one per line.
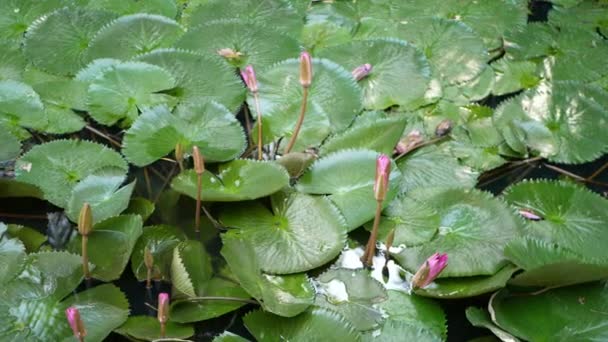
point(30, 237)
point(17, 15)
point(132, 35)
point(10, 146)
point(57, 42)
point(190, 268)
point(473, 229)
point(56, 167)
point(481, 318)
point(12, 255)
point(167, 8)
point(239, 180)
point(20, 105)
point(347, 178)
point(393, 61)
point(530, 41)
point(229, 337)
point(13, 62)
point(329, 24)
point(140, 206)
point(512, 76)
point(302, 232)
point(147, 328)
point(160, 241)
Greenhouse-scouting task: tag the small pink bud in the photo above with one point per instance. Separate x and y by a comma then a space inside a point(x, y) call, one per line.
point(163, 307)
point(430, 270)
point(229, 53)
point(250, 80)
point(305, 69)
point(362, 71)
point(406, 144)
point(75, 322)
point(383, 169)
point(529, 214)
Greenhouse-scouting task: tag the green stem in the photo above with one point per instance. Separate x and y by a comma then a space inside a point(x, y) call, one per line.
point(197, 217)
point(370, 248)
point(85, 258)
point(296, 131)
point(259, 115)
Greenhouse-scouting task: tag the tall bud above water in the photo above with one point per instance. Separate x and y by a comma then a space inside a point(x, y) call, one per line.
point(163, 307)
point(430, 270)
point(75, 322)
point(250, 80)
point(383, 169)
point(199, 162)
point(85, 220)
point(361, 71)
point(305, 69)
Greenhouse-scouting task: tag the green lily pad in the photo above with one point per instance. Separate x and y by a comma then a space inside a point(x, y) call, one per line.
point(210, 126)
point(588, 14)
point(481, 318)
point(190, 268)
point(147, 328)
point(329, 24)
point(229, 337)
point(95, 69)
point(57, 42)
point(239, 180)
point(126, 88)
point(20, 105)
point(220, 83)
point(473, 229)
point(57, 167)
point(257, 44)
point(12, 255)
point(530, 41)
point(132, 35)
point(301, 232)
point(347, 177)
point(118, 235)
point(140, 206)
point(17, 15)
point(572, 313)
point(30, 237)
point(10, 146)
point(167, 8)
point(392, 61)
point(512, 76)
point(160, 241)
point(313, 325)
point(13, 63)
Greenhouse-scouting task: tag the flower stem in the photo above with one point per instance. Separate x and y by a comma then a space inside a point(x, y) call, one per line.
point(370, 248)
point(292, 141)
point(197, 217)
point(163, 330)
point(259, 115)
point(85, 259)
point(218, 298)
point(149, 279)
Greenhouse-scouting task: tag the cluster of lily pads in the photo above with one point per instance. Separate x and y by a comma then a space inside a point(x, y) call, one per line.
point(167, 129)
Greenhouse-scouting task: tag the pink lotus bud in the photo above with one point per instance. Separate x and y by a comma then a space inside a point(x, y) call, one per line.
point(250, 80)
point(406, 144)
point(229, 53)
point(529, 214)
point(163, 307)
point(75, 322)
point(305, 69)
point(429, 270)
point(362, 71)
point(383, 169)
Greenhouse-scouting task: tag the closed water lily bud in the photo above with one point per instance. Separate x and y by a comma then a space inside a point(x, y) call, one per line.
point(250, 80)
point(430, 270)
point(199, 162)
point(529, 214)
point(163, 307)
point(229, 53)
point(75, 323)
point(305, 69)
point(362, 71)
point(412, 139)
point(383, 169)
point(85, 220)
point(179, 153)
point(444, 128)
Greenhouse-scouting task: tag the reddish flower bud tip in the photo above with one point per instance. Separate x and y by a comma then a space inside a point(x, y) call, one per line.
point(430, 270)
point(362, 71)
point(163, 307)
point(75, 322)
point(305, 69)
point(529, 214)
point(250, 80)
point(406, 144)
point(383, 169)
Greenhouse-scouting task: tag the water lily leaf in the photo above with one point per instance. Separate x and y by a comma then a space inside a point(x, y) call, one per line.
point(229, 337)
point(588, 14)
point(530, 41)
point(125, 88)
point(193, 310)
point(329, 24)
point(134, 34)
point(220, 83)
point(13, 62)
point(473, 229)
point(13, 188)
point(190, 268)
point(210, 126)
point(281, 15)
point(10, 146)
point(160, 241)
point(67, 93)
point(551, 119)
point(572, 223)
point(117, 235)
point(371, 130)
point(251, 42)
point(392, 62)
point(286, 295)
point(56, 167)
point(464, 287)
point(347, 177)
point(570, 313)
point(62, 120)
point(353, 294)
point(481, 318)
point(333, 101)
point(475, 89)
point(103, 192)
point(12, 255)
point(303, 232)
point(20, 105)
point(95, 69)
point(57, 42)
point(147, 328)
point(314, 325)
point(431, 166)
point(512, 76)
point(398, 330)
point(238, 180)
point(30, 237)
point(17, 15)
point(167, 8)
point(140, 206)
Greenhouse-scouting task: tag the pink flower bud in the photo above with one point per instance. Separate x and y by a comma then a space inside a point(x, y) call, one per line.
point(429, 270)
point(529, 214)
point(163, 307)
point(250, 80)
point(410, 141)
point(305, 69)
point(362, 71)
point(75, 322)
point(383, 169)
